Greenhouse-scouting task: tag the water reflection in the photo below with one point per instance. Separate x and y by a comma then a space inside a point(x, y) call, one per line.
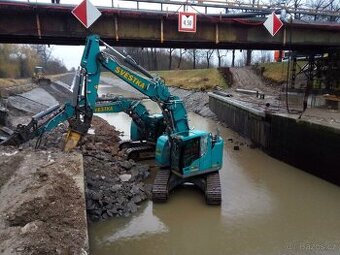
point(143, 225)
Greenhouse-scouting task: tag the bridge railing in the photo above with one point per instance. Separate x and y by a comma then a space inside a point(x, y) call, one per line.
point(222, 7)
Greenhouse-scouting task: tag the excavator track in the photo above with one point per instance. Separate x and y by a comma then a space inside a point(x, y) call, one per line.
point(213, 189)
point(141, 152)
point(127, 144)
point(160, 187)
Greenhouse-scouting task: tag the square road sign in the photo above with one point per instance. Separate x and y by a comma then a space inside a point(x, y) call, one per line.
point(187, 22)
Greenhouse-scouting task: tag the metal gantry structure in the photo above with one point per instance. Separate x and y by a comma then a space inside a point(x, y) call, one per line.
point(237, 8)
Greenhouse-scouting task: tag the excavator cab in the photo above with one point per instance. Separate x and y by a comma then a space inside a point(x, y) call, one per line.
point(196, 153)
point(194, 157)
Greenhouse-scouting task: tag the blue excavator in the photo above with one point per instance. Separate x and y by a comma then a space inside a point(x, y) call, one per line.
point(145, 127)
point(184, 155)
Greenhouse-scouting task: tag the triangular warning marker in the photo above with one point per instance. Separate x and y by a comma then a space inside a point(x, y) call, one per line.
point(86, 13)
point(273, 24)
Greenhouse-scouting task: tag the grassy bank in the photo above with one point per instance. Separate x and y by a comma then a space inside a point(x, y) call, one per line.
point(277, 72)
point(6, 83)
point(198, 79)
point(201, 79)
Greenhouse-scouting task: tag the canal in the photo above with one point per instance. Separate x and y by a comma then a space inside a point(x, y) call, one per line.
point(268, 207)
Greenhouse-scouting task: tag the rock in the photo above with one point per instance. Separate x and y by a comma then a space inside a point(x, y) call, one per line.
point(20, 249)
point(135, 190)
point(109, 213)
point(125, 177)
point(125, 164)
point(116, 187)
point(120, 201)
point(137, 199)
point(95, 195)
point(132, 207)
point(30, 227)
point(90, 204)
point(236, 147)
point(231, 140)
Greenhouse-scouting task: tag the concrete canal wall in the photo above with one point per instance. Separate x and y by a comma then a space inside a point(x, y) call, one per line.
point(312, 147)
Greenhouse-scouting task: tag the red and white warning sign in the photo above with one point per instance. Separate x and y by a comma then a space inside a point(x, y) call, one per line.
point(86, 13)
point(273, 24)
point(187, 22)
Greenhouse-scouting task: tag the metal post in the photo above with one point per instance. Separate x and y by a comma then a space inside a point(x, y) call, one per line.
point(116, 28)
point(309, 81)
point(293, 77)
point(162, 34)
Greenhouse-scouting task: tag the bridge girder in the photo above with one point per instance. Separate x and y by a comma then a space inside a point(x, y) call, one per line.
point(54, 24)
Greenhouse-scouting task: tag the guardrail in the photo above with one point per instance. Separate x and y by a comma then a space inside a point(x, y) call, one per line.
point(221, 7)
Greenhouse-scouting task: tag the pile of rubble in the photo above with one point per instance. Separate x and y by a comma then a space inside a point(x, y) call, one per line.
point(115, 185)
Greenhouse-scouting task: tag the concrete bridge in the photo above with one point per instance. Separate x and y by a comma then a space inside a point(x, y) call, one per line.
point(54, 24)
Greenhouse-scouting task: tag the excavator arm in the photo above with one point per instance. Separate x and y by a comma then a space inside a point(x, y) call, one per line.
point(144, 126)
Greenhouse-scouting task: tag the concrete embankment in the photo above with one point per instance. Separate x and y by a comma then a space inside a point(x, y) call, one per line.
point(311, 146)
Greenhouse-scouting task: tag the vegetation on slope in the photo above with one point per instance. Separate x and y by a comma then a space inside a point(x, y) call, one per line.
point(19, 61)
point(197, 79)
point(277, 72)
point(5, 83)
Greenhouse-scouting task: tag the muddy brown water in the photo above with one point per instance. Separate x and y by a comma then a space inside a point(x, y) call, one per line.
point(268, 207)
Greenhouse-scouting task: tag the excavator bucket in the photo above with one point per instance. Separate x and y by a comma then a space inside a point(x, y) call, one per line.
point(72, 140)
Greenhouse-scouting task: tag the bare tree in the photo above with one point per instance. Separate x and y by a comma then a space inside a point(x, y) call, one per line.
point(220, 55)
point(233, 58)
point(208, 55)
point(265, 56)
point(295, 4)
point(154, 54)
point(181, 54)
point(325, 5)
point(170, 51)
point(44, 53)
point(193, 53)
point(248, 57)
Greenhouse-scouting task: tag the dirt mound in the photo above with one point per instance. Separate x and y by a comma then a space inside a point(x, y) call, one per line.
point(42, 207)
point(114, 185)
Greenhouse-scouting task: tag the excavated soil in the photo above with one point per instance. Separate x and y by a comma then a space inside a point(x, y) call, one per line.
point(42, 206)
point(42, 210)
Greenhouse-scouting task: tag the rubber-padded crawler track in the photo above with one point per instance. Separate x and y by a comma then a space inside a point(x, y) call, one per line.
point(213, 189)
point(160, 188)
point(141, 152)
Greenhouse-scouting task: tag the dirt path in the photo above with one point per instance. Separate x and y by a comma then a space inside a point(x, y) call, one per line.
point(246, 78)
